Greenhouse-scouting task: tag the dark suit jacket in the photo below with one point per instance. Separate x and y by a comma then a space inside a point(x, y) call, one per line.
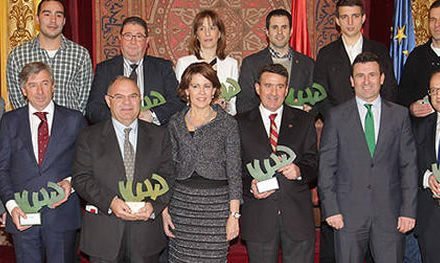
point(333, 71)
point(360, 187)
point(158, 75)
point(301, 76)
point(97, 169)
point(19, 169)
point(428, 214)
point(260, 217)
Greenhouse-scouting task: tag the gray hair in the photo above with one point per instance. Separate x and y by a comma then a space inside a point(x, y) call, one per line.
point(31, 69)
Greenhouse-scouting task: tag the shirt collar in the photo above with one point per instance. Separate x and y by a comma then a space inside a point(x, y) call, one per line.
point(50, 108)
point(375, 103)
point(356, 45)
point(276, 54)
point(266, 113)
point(36, 42)
point(128, 62)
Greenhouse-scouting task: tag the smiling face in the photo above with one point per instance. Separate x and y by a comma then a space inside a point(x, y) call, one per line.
point(434, 25)
point(124, 100)
point(434, 91)
point(272, 89)
point(350, 20)
point(51, 19)
point(208, 34)
point(279, 32)
point(367, 80)
point(39, 89)
point(200, 91)
point(134, 49)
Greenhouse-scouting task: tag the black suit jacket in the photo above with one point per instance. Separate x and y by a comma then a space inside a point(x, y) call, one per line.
point(428, 215)
point(293, 200)
point(19, 169)
point(158, 75)
point(97, 169)
point(301, 76)
point(333, 71)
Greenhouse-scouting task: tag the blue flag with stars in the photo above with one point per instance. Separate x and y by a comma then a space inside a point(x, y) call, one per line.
point(403, 38)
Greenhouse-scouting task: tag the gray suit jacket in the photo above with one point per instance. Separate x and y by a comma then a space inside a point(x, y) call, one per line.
point(359, 187)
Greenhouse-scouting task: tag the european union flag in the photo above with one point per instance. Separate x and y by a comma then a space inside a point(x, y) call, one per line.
point(403, 40)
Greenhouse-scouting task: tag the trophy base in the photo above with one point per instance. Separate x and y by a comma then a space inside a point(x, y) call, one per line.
point(268, 185)
point(31, 220)
point(135, 206)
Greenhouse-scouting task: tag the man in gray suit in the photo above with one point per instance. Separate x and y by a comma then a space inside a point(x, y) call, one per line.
point(368, 170)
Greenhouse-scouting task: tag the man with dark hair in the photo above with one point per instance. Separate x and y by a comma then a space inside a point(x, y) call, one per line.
point(421, 62)
point(427, 134)
point(70, 62)
point(150, 74)
point(300, 67)
point(368, 179)
point(333, 63)
point(121, 148)
point(36, 147)
point(283, 217)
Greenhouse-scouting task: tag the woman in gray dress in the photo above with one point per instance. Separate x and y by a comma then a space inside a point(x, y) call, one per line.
point(204, 209)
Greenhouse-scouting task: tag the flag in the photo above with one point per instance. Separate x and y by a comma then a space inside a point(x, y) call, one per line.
point(403, 38)
point(299, 40)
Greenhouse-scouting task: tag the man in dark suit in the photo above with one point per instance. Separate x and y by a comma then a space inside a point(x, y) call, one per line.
point(368, 170)
point(29, 160)
point(282, 217)
point(333, 63)
point(300, 67)
point(150, 74)
point(118, 149)
point(427, 134)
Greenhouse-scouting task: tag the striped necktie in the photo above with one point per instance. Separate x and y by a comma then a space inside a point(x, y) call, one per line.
point(273, 134)
point(128, 155)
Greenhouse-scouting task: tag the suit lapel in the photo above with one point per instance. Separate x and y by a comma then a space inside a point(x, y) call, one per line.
point(260, 132)
point(432, 130)
point(287, 123)
point(149, 74)
point(55, 133)
point(110, 142)
point(24, 131)
point(342, 59)
point(352, 116)
point(143, 153)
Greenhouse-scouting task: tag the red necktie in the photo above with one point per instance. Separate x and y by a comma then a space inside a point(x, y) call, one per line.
point(43, 136)
point(273, 134)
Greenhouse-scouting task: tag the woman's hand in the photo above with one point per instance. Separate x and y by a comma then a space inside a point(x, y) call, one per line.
point(232, 228)
point(168, 225)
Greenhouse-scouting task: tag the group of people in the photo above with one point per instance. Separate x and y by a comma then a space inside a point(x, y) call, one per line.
point(90, 134)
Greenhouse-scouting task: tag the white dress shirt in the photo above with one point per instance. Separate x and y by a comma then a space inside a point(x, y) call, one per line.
point(353, 50)
point(375, 108)
point(120, 134)
point(265, 113)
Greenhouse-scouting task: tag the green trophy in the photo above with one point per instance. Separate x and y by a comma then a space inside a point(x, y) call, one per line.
point(39, 200)
point(310, 95)
point(436, 173)
point(266, 181)
point(155, 99)
point(227, 93)
point(136, 200)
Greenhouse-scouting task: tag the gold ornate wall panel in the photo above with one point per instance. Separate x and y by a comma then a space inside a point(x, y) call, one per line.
point(17, 26)
point(420, 15)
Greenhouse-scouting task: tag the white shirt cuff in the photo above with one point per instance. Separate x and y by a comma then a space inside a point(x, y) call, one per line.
point(155, 119)
point(426, 178)
point(10, 205)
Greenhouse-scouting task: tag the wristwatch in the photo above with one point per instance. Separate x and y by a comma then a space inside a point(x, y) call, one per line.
point(236, 215)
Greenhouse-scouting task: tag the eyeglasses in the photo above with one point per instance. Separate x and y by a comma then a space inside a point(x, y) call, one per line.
point(130, 36)
point(120, 97)
point(433, 92)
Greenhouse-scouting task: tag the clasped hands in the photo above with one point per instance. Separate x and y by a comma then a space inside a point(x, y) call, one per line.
point(404, 224)
point(121, 210)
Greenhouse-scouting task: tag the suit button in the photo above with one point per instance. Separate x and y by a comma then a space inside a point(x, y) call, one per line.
point(372, 165)
point(279, 212)
point(369, 187)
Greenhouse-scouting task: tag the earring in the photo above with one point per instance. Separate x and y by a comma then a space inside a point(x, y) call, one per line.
point(187, 100)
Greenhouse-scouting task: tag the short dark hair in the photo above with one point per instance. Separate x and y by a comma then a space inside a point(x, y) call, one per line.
point(134, 20)
point(31, 69)
point(436, 4)
point(340, 3)
point(365, 57)
point(203, 69)
point(194, 44)
point(278, 12)
point(274, 68)
point(44, 1)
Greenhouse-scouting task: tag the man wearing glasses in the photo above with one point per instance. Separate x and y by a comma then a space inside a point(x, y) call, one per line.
point(150, 73)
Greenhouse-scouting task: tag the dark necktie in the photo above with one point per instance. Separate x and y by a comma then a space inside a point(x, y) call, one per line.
point(369, 129)
point(133, 74)
point(128, 155)
point(273, 134)
point(43, 136)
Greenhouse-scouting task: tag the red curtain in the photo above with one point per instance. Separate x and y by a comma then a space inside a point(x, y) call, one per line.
point(300, 35)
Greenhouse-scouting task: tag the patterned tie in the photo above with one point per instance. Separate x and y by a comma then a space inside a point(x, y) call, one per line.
point(273, 134)
point(133, 74)
point(369, 129)
point(43, 136)
point(128, 155)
